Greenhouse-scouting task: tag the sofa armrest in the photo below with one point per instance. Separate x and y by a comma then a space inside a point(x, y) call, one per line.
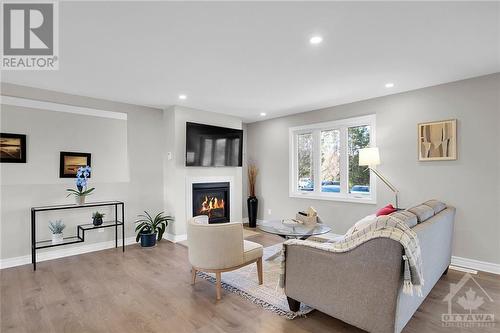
point(359, 287)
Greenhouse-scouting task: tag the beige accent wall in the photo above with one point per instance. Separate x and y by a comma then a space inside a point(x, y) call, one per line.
point(471, 183)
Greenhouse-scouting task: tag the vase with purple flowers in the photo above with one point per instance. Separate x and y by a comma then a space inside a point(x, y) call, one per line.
point(82, 190)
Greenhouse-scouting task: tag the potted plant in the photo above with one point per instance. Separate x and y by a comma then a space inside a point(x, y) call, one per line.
point(81, 185)
point(57, 228)
point(150, 229)
point(97, 218)
point(252, 201)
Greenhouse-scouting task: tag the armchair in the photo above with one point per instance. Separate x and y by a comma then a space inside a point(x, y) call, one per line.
point(218, 248)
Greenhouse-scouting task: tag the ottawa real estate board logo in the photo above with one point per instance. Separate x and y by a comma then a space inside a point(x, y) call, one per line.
point(466, 302)
point(30, 39)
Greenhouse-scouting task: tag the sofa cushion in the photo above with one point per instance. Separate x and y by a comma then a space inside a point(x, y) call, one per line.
point(407, 217)
point(436, 205)
point(423, 212)
point(386, 210)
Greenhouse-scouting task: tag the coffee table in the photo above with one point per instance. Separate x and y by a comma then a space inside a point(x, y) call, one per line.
point(294, 231)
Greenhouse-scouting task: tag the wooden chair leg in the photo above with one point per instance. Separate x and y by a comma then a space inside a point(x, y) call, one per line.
point(193, 275)
point(259, 270)
point(218, 286)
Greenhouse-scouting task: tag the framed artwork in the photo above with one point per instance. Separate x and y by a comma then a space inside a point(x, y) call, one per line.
point(12, 148)
point(437, 141)
point(70, 162)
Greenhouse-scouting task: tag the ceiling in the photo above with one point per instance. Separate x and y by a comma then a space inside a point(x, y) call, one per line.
point(243, 58)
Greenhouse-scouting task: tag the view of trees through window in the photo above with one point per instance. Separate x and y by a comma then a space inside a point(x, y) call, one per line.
point(330, 161)
point(327, 160)
point(305, 162)
point(359, 176)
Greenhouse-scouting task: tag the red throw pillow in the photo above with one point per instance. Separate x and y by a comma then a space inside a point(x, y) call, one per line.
point(386, 210)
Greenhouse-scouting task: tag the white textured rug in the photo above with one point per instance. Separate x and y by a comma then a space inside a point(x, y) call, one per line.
point(269, 295)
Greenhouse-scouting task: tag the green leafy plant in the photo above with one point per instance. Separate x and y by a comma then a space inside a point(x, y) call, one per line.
point(56, 227)
point(148, 225)
point(98, 215)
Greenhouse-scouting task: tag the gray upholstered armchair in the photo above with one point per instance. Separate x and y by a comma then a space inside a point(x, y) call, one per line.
point(217, 248)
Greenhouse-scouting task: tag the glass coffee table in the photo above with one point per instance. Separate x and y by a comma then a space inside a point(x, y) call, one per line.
point(291, 231)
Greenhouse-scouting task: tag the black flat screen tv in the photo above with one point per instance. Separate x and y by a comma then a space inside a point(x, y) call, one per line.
point(213, 146)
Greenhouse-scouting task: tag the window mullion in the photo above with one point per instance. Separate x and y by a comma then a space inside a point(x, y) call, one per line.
point(344, 162)
point(295, 165)
point(317, 161)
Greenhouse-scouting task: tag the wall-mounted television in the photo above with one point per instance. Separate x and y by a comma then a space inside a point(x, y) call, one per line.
point(213, 146)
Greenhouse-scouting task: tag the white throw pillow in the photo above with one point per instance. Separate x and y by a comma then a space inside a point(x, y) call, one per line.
point(201, 219)
point(361, 224)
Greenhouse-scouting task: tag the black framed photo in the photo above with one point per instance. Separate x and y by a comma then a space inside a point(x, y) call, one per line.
point(70, 162)
point(12, 148)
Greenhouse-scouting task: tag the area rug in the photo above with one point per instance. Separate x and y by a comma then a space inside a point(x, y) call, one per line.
point(269, 295)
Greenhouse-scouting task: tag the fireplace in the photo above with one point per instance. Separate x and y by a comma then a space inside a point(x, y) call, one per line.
point(211, 199)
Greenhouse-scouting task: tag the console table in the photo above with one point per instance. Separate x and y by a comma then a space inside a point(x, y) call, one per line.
point(81, 228)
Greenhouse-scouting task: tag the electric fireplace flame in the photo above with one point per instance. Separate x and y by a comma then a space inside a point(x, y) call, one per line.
point(212, 206)
point(212, 199)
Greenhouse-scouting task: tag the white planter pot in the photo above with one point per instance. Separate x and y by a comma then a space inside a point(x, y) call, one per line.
point(57, 238)
point(80, 199)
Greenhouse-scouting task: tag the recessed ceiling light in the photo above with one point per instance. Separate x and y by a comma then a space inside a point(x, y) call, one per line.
point(182, 96)
point(315, 40)
point(263, 114)
point(389, 85)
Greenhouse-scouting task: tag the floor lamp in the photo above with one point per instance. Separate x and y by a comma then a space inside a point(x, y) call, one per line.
point(370, 157)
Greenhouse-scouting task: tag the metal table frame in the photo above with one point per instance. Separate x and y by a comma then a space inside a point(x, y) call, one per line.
point(81, 228)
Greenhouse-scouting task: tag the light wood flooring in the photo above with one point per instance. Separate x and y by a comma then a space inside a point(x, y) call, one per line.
point(149, 290)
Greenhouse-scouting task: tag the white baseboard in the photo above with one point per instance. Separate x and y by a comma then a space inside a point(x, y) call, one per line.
point(462, 269)
point(62, 252)
point(476, 265)
point(75, 250)
point(175, 238)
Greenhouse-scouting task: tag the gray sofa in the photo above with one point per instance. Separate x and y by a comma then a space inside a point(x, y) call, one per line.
point(363, 287)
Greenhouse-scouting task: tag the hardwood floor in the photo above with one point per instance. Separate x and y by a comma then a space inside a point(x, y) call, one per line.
point(149, 290)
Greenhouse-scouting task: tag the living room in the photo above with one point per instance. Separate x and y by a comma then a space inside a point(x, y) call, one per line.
point(250, 166)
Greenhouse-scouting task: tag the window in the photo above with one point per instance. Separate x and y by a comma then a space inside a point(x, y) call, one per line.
point(305, 162)
point(324, 160)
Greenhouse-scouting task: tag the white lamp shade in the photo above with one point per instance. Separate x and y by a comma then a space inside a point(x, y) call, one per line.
point(369, 156)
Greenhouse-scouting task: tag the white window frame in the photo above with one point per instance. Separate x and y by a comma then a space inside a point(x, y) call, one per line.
point(341, 125)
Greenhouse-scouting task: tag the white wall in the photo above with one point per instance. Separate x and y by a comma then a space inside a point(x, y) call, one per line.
point(49, 133)
point(471, 183)
point(176, 172)
point(140, 185)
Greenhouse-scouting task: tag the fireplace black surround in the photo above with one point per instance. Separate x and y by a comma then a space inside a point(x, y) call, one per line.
point(211, 199)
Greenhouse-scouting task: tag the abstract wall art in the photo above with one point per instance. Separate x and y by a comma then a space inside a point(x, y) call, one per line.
point(437, 141)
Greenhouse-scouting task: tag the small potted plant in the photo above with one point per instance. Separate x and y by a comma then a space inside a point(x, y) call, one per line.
point(81, 185)
point(57, 228)
point(97, 218)
point(150, 229)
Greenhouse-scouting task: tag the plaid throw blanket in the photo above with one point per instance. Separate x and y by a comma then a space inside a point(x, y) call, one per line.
point(383, 227)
